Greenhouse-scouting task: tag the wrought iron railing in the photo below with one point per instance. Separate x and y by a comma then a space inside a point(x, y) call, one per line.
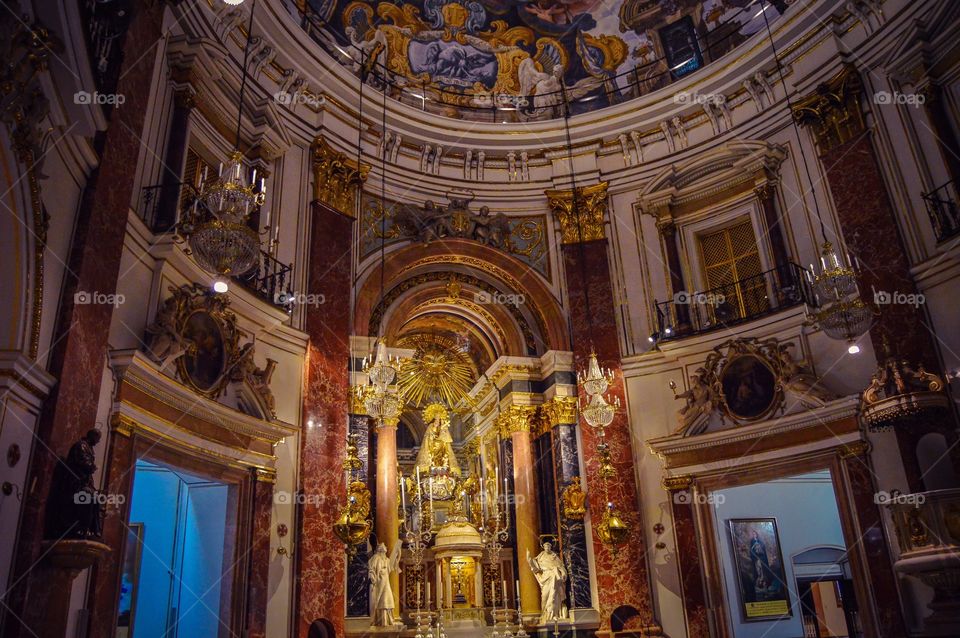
point(105, 23)
point(269, 279)
point(744, 300)
point(944, 214)
point(632, 83)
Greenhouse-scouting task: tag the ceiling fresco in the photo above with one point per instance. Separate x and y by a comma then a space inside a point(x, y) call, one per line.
point(526, 54)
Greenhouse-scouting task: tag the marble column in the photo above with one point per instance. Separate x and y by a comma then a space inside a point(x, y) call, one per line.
point(526, 526)
point(321, 564)
point(869, 227)
point(81, 339)
point(387, 521)
point(690, 566)
point(622, 576)
point(358, 579)
point(871, 545)
point(260, 555)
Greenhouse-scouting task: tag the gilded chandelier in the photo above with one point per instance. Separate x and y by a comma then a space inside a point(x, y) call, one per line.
point(598, 412)
point(217, 227)
point(380, 397)
point(842, 313)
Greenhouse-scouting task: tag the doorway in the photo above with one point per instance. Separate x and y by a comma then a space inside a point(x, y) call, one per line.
point(828, 605)
point(177, 572)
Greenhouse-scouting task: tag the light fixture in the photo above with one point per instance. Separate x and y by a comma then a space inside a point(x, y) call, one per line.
point(220, 286)
point(841, 312)
point(217, 226)
point(233, 3)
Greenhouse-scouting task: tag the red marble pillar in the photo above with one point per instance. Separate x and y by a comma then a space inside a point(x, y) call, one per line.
point(259, 557)
point(869, 536)
point(81, 340)
point(321, 566)
point(688, 554)
point(622, 578)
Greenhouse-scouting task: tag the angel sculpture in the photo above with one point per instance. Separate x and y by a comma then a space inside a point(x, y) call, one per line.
point(382, 604)
point(700, 404)
point(491, 230)
point(799, 383)
point(165, 344)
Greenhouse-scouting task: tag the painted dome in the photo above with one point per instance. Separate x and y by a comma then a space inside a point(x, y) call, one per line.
point(521, 60)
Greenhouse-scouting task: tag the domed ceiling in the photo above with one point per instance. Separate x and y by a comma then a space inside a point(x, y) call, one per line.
point(481, 54)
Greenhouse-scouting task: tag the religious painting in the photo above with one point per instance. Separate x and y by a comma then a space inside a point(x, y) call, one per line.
point(206, 360)
point(130, 580)
point(749, 387)
point(758, 563)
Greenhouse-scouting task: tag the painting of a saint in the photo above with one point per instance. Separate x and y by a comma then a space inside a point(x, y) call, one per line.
point(205, 359)
point(749, 387)
point(759, 569)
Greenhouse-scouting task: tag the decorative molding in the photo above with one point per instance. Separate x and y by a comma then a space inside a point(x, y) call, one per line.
point(833, 112)
point(677, 483)
point(516, 418)
point(584, 222)
point(336, 178)
point(561, 410)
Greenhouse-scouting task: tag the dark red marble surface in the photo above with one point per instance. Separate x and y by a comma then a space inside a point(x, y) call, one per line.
point(869, 227)
point(691, 570)
point(622, 578)
point(260, 554)
point(321, 571)
point(871, 539)
point(81, 338)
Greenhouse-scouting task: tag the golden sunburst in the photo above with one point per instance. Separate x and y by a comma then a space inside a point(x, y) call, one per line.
point(440, 370)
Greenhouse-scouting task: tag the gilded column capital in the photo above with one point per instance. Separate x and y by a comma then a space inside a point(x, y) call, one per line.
point(336, 177)
point(561, 411)
point(833, 110)
point(677, 483)
point(586, 222)
point(516, 418)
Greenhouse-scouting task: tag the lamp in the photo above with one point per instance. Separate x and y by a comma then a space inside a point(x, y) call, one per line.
point(841, 312)
point(217, 226)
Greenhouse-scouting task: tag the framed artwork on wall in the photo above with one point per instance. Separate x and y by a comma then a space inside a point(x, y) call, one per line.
point(759, 569)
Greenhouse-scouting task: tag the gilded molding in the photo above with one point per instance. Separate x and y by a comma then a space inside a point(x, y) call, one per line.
point(833, 110)
point(561, 411)
point(336, 177)
point(585, 224)
point(854, 449)
point(516, 418)
point(677, 483)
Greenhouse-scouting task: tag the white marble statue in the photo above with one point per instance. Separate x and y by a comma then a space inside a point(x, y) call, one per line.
point(551, 574)
point(379, 567)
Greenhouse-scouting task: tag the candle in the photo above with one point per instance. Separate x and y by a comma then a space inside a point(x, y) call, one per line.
point(493, 595)
point(504, 584)
point(428, 594)
point(403, 494)
point(518, 593)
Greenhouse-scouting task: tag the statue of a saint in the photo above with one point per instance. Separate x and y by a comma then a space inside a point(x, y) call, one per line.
point(436, 450)
point(551, 574)
point(78, 512)
point(379, 567)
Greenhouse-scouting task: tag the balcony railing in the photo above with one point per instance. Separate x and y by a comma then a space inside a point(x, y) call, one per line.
point(269, 279)
point(942, 207)
point(698, 312)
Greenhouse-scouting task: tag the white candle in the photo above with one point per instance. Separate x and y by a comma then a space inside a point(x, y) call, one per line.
point(504, 583)
point(428, 593)
point(403, 494)
point(518, 594)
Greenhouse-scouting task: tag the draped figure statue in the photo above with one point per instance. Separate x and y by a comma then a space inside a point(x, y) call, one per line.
point(382, 604)
point(551, 574)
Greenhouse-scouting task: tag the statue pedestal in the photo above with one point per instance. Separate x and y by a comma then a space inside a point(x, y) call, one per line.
point(64, 560)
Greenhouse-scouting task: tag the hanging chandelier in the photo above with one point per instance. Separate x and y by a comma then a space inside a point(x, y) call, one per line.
point(217, 226)
point(841, 312)
point(595, 381)
point(380, 396)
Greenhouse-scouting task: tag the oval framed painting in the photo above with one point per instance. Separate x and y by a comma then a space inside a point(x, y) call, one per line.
point(205, 362)
point(749, 387)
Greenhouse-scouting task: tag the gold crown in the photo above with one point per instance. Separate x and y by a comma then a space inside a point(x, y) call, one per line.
point(434, 410)
point(454, 15)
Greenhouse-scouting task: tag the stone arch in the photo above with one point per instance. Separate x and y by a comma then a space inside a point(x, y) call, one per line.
point(488, 266)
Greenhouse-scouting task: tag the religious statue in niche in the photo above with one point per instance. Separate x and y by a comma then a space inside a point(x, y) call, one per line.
point(382, 604)
point(436, 459)
point(76, 509)
point(456, 221)
point(551, 575)
point(574, 500)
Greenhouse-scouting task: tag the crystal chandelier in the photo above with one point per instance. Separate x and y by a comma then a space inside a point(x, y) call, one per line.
point(841, 311)
point(598, 412)
point(380, 397)
point(217, 226)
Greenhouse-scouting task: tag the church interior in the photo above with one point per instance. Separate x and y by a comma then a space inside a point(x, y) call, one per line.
point(480, 318)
